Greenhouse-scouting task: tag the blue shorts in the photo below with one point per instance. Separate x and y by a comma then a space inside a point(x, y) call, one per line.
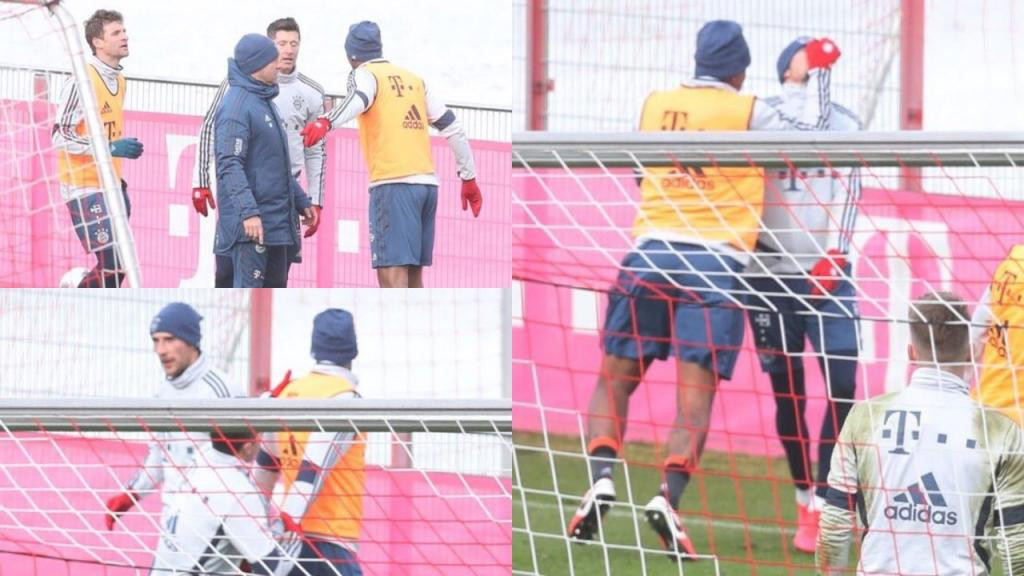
point(670, 298)
point(830, 323)
point(320, 558)
point(259, 266)
point(91, 219)
point(402, 224)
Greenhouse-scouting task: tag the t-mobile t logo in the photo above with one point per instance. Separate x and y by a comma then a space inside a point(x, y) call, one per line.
point(901, 427)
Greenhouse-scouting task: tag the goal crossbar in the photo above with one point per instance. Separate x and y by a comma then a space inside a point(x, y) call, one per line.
point(767, 149)
point(260, 415)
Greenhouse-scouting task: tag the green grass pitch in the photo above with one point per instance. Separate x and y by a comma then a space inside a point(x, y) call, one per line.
point(740, 508)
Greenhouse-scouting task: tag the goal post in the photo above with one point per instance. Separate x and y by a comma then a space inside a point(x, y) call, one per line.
point(256, 414)
point(576, 198)
point(27, 127)
point(64, 458)
point(777, 150)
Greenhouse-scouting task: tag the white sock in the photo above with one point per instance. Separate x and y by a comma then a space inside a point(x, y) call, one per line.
point(819, 502)
point(804, 497)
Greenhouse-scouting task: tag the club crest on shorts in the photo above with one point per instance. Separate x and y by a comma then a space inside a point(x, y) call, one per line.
point(260, 248)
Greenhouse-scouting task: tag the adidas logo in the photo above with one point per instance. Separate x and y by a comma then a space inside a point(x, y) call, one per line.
point(106, 108)
point(919, 505)
point(413, 119)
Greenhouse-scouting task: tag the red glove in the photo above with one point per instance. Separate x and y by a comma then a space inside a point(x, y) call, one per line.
point(281, 385)
point(821, 53)
point(315, 131)
point(471, 196)
point(200, 198)
point(312, 228)
point(119, 505)
point(290, 525)
point(827, 273)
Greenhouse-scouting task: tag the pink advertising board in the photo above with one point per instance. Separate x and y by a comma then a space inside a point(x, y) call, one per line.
point(175, 244)
point(414, 523)
point(906, 243)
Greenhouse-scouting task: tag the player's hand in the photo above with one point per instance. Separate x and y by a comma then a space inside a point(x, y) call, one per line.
point(314, 221)
point(290, 525)
point(201, 198)
point(315, 131)
point(276, 391)
point(119, 505)
point(821, 53)
point(827, 273)
point(126, 148)
point(253, 229)
point(471, 197)
point(285, 528)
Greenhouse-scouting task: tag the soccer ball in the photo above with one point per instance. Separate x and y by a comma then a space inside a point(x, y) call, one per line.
point(73, 277)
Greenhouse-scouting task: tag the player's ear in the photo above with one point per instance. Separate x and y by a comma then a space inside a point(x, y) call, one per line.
point(911, 353)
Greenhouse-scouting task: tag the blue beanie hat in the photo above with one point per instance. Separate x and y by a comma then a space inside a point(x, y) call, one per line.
point(787, 55)
point(721, 50)
point(253, 52)
point(179, 319)
point(363, 41)
point(334, 337)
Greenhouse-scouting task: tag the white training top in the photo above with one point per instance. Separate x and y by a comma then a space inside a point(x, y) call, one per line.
point(171, 453)
point(812, 210)
point(936, 480)
point(215, 520)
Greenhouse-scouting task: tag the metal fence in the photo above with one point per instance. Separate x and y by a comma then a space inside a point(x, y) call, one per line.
point(194, 98)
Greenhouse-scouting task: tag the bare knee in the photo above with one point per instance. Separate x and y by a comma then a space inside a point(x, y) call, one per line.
point(415, 276)
point(622, 374)
point(393, 277)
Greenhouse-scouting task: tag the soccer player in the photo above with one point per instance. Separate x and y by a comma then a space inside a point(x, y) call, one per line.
point(299, 100)
point(322, 471)
point(218, 522)
point(256, 189)
point(694, 230)
point(998, 322)
point(394, 107)
point(929, 471)
point(188, 374)
point(76, 169)
point(809, 216)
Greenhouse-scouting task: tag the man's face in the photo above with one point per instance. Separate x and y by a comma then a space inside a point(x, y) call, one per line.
point(267, 74)
point(175, 355)
point(797, 71)
point(114, 43)
point(287, 49)
point(248, 451)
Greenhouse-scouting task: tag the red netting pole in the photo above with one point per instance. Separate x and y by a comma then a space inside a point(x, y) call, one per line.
point(261, 307)
point(912, 78)
point(537, 64)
